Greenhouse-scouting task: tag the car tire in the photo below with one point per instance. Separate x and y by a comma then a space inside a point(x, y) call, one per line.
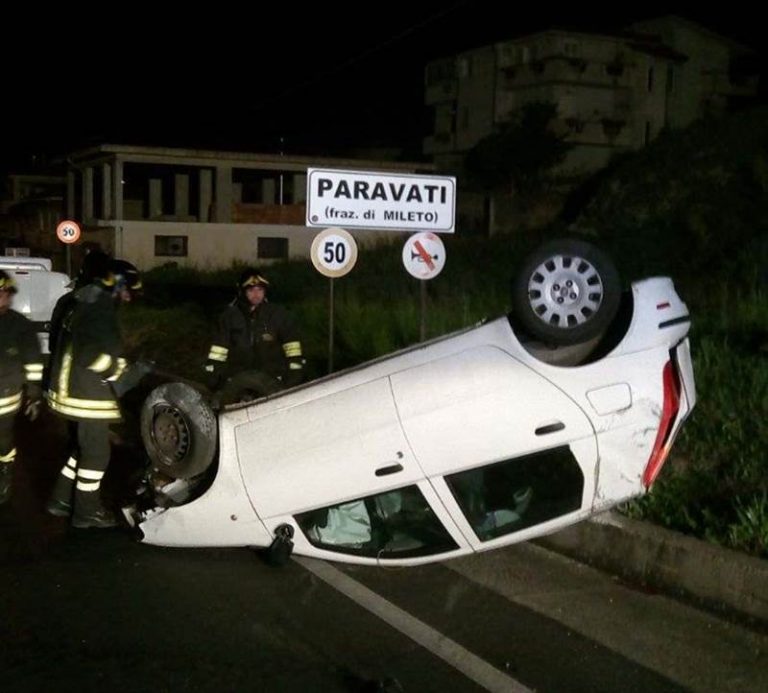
point(179, 430)
point(567, 292)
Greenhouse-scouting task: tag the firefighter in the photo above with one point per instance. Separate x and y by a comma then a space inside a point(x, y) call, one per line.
point(256, 348)
point(21, 373)
point(95, 263)
point(86, 362)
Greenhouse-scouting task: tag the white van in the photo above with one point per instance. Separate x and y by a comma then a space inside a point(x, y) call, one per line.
point(39, 289)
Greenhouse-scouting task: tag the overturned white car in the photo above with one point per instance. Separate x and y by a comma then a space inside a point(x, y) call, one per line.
point(469, 442)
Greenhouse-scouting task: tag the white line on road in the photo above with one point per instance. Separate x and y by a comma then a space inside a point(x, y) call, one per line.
point(474, 668)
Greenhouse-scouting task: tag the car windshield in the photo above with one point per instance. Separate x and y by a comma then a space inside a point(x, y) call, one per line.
point(395, 524)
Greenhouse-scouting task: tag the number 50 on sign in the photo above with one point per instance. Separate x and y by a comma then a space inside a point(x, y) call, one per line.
point(68, 232)
point(334, 252)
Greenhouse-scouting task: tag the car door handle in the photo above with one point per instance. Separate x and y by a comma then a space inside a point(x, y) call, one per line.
point(389, 469)
point(546, 429)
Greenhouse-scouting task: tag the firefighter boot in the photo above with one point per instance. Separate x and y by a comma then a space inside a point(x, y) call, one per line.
point(89, 512)
point(60, 503)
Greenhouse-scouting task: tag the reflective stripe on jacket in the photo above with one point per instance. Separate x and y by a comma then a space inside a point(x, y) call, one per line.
point(87, 357)
point(20, 359)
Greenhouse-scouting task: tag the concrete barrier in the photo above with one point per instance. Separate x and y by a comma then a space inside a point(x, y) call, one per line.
point(667, 560)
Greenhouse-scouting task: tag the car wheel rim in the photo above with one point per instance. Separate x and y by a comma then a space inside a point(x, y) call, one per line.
point(170, 434)
point(565, 291)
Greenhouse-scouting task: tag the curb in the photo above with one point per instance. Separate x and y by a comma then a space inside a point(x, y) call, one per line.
point(668, 560)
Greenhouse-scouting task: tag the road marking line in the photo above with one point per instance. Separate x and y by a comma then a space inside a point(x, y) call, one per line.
point(469, 664)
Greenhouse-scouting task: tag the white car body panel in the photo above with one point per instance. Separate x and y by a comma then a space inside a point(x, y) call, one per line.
point(38, 289)
point(334, 445)
point(222, 517)
point(471, 400)
point(486, 391)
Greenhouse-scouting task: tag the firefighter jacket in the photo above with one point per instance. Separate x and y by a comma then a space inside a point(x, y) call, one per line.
point(87, 358)
point(20, 360)
point(264, 339)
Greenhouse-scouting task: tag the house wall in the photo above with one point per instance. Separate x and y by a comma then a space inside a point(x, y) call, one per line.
point(476, 73)
point(701, 83)
point(211, 246)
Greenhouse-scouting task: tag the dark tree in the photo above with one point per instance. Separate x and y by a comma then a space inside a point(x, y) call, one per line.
point(520, 153)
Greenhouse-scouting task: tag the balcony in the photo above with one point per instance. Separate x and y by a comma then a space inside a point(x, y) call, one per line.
point(440, 92)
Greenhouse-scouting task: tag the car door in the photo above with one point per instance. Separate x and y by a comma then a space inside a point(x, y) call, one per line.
point(340, 469)
point(509, 454)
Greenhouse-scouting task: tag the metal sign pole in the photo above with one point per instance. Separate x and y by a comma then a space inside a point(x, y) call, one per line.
point(423, 330)
point(68, 253)
point(330, 326)
point(334, 253)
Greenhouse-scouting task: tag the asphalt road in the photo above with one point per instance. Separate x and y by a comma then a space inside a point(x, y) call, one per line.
point(94, 610)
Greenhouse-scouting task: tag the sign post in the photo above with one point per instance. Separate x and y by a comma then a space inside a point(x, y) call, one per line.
point(334, 254)
point(424, 258)
point(384, 201)
point(68, 232)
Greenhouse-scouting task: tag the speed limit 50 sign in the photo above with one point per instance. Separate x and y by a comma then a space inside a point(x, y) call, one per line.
point(68, 231)
point(334, 252)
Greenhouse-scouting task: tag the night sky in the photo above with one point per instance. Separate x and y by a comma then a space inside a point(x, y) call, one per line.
point(317, 79)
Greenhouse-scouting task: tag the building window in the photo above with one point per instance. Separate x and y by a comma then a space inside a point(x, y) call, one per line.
point(272, 248)
point(571, 48)
point(464, 118)
point(615, 68)
point(575, 124)
point(612, 127)
point(170, 246)
point(670, 79)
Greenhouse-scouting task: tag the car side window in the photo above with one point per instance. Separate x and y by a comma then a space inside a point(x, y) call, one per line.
point(395, 524)
point(508, 496)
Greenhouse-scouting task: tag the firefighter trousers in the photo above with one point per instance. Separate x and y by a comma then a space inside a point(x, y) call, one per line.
point(79, 481)
point(7, 455)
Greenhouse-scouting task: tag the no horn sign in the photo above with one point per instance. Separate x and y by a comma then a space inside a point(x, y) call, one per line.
point(424, 255)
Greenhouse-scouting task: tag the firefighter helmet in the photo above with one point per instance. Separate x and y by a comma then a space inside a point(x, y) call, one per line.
point(95, 267)
point(126, 276)
point(252, 277)
point(7, 283)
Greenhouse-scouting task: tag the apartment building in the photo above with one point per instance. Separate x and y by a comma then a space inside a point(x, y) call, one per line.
point(614, 93)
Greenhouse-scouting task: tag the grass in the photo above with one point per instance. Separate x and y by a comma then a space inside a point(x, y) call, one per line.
point(715, 485)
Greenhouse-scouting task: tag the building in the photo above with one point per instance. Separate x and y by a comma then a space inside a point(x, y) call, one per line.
point(205, 209)
point(30, 207)
point(614, 93)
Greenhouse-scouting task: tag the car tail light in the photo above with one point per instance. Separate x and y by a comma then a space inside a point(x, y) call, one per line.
point(668, 415)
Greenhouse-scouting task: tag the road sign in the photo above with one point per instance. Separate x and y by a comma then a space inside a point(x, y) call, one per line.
point(68, 231)
point(334, 252)
point(424, 255)
point(377, 200)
